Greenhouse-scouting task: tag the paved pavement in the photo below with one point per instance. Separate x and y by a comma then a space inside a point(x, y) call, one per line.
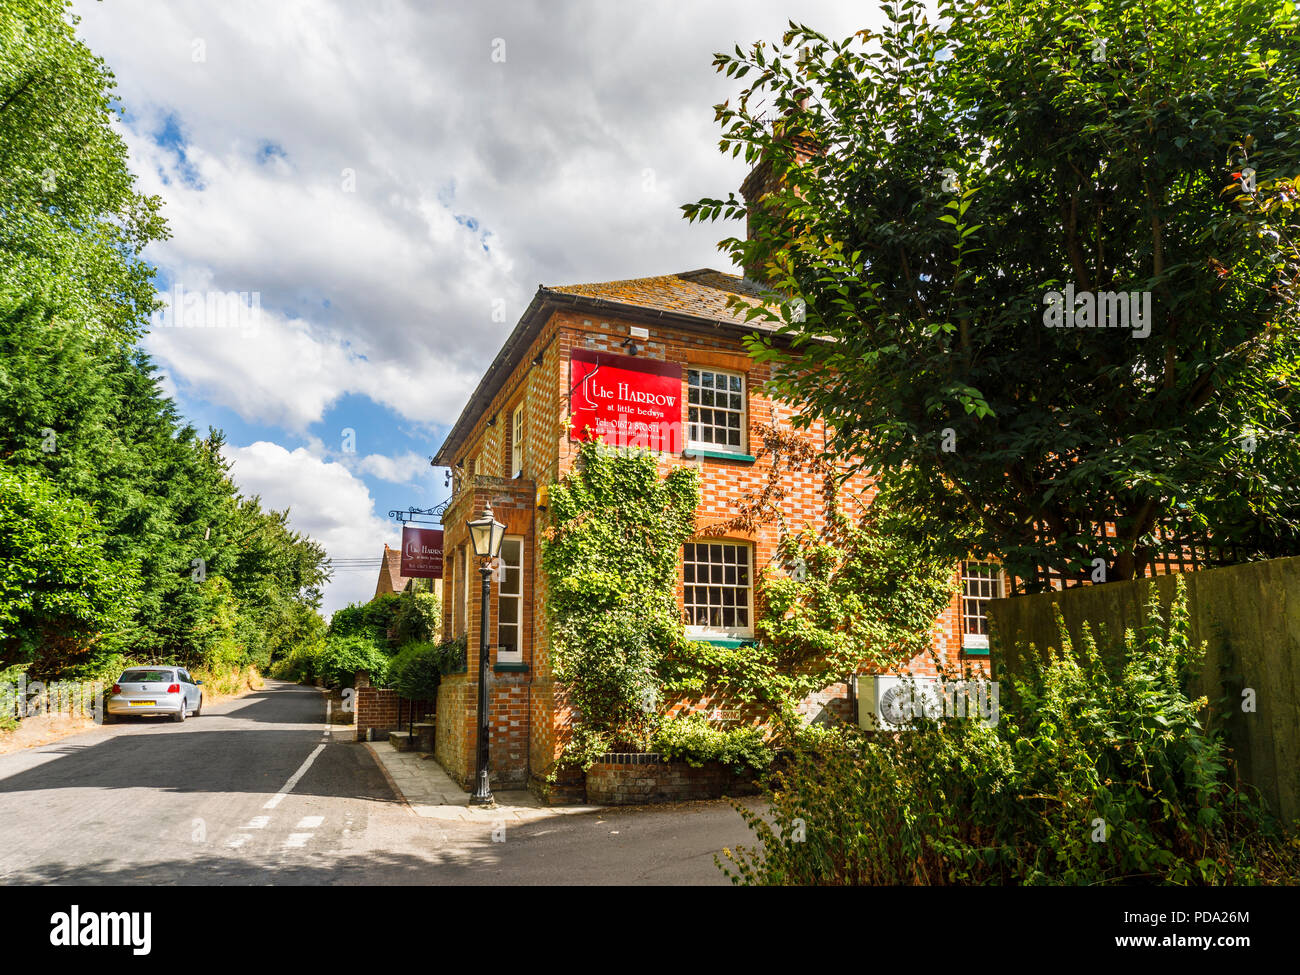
point(258, 791)
point(432, 794)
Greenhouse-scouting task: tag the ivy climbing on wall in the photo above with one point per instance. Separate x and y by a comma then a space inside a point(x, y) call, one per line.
point(861, 595)
point(612, 552)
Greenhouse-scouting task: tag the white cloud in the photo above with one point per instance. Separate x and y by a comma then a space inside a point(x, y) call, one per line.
point(543, 156)
point(327, 502)
point(408, 468)
point(471, 181)
point(287, 372)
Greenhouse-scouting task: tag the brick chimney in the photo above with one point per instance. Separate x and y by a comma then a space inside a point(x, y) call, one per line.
point(761, 180)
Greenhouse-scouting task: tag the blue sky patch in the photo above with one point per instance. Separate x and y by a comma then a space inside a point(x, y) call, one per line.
point(170, 135)
point(269, 150)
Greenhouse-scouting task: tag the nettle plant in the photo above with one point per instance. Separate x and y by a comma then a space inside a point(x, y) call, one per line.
point(1101, 771)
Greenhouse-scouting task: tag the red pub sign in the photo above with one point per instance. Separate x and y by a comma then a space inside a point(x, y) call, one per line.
point(624, 401)
point(422, 553)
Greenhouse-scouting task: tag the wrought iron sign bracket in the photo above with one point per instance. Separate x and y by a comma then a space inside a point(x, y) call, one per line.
point(421, 516)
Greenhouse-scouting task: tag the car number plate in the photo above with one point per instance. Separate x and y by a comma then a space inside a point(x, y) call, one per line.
point(141, 704)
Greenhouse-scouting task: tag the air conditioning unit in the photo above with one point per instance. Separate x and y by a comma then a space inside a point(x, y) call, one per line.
point(888, 702)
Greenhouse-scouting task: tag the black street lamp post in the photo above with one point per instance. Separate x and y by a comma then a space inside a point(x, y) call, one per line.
point(485, 534)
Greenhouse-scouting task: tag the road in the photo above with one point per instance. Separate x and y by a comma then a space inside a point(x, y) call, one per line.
point(255, 791)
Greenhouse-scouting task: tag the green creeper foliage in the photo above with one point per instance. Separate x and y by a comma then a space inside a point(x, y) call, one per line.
point(852, 594)
point(863, 596)
point(866, 596)
point(612, 552)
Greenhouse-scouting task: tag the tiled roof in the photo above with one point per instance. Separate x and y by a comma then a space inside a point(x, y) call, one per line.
point(703, 293)
point(390, 573)
point(700, 295)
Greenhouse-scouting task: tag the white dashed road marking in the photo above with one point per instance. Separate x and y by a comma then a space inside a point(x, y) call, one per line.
point(309, 822)
point(278, 798)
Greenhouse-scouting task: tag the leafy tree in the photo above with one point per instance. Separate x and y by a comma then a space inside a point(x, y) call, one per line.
point(61, 595)
point(938, 181)
point(73, 221)
point(215, 577)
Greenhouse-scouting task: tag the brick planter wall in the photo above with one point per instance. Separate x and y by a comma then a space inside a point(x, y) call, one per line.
point(376, 708)
point(644, 777)
point(382, 709)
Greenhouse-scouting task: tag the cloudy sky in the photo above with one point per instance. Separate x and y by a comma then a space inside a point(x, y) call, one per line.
point(388, 183)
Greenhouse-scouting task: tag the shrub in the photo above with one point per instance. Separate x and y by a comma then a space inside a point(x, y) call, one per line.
point(371, 620)
point(416, 618)
point(1098, 772)
point(341, 657)
point(300, 663)
point(694, 740)
point(417, 669)
point(453, 655)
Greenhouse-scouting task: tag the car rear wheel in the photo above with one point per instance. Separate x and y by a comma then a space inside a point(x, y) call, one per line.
point(179, 716)
point(199, 709)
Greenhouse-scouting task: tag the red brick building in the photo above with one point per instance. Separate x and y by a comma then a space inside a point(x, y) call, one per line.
point(391, 579)
point(514, 438)
point(390, 573)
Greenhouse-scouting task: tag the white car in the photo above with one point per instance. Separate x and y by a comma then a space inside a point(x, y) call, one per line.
point(156, 690)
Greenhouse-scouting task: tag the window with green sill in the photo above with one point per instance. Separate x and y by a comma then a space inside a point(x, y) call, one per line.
point(717, 412)
point(980, 582)
point(718, 589)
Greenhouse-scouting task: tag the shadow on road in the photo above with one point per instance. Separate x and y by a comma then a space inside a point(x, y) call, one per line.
point(214, 870)
point(623, 847)
point(188, 758)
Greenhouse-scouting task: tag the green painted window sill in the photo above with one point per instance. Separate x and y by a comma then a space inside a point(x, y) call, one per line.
point(692, 452)
point(975, 651)
point(729, 642)
point(510, 668)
